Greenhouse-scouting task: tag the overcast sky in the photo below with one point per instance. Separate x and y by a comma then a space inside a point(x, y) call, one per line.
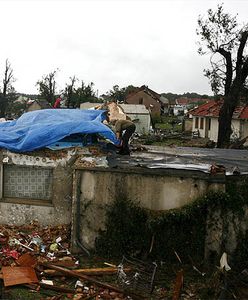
point(127, 42)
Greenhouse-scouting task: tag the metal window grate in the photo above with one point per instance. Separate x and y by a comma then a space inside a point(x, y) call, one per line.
point(139, 278)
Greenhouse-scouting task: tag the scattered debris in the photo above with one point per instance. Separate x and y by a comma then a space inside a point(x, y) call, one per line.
point(52, 271)
point(217, 169)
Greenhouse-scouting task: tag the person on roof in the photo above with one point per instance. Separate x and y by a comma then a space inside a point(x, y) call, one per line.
point(124, 129)
point(57, 102)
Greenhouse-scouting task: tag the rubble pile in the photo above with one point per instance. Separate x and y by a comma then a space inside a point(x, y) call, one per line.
point(38, 258)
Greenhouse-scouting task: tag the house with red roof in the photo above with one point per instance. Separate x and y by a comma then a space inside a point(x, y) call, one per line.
point(205, 120)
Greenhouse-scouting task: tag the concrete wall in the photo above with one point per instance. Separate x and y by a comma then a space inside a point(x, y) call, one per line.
point(154, 190)
point(226, 228)
point(21, 211)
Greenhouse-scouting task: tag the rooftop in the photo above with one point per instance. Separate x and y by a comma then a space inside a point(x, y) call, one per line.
point(212, 109)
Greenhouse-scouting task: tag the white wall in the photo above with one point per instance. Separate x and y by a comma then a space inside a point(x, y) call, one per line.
point(213, 132)
point(143, 123)
point(201, 131)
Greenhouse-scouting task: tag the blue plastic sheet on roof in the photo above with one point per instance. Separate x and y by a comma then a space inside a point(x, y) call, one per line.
point(41, 128)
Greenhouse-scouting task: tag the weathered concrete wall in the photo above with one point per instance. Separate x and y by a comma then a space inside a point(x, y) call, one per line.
point(153, 189)
point(22, 211)
point(226, 227)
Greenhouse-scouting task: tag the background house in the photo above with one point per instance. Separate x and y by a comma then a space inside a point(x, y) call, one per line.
point(165, 105)
point(38, 104)
point(147, 97)
point(205, 121)
point(184, 104)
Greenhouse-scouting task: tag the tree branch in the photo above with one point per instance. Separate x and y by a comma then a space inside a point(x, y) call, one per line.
point(243, 41)
point(244, 71)
point(229, 68)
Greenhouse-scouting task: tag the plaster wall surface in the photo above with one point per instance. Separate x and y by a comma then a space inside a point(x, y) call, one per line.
point(154, 192)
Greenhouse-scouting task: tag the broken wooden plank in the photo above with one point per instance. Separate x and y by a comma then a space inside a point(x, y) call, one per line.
point(90, 272)
point(178, 285)
point(89, 279)
point(18, 275)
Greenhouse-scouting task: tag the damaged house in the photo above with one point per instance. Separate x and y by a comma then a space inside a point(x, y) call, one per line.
point(61, 167)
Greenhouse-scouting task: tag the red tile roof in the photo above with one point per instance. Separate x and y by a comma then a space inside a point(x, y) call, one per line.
point(212, 109)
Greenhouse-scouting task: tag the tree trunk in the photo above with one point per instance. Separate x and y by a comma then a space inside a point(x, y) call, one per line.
point(225, 117)
point(225, 130)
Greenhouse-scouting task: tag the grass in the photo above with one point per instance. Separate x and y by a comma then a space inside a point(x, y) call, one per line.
point(169, 123)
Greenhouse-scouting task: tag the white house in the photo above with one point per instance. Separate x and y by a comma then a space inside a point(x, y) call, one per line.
point(140, 115)
point(205, 121)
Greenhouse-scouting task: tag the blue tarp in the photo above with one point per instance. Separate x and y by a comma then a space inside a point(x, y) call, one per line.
point(41, 128)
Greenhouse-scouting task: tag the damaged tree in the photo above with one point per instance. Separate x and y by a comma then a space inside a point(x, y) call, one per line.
point(226, 42)
point(70, 92)
point(7, 88)
point(47, 87)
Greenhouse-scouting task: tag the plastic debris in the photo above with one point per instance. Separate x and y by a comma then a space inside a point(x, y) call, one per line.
point(50, 282)
point(53, 247)
point(79, 284)
point(223, 262)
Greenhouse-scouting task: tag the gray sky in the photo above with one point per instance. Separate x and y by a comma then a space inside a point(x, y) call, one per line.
point(139, 42)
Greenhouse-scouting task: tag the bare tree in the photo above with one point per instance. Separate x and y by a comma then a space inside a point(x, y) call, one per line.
point(225, 41)
point(7, 87)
